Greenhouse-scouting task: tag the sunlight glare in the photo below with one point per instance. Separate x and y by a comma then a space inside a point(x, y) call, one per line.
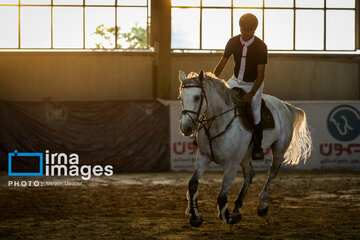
point(309, 3)
point(100, 2)
point(9, 25)
point(9, 2)
point(35, 27)
point(340, 25)
point(309, 30)
point(68, 27)
point(190, 3)
point(248, 3)
point(216, 31)
point(36, 2)
point(279, 3)
point(128, 17)
point(185, 28)
point(95, 16)
point(340, 3)
point(132, 2)
point(216, 3)
point(68, 2)
point(279, 29)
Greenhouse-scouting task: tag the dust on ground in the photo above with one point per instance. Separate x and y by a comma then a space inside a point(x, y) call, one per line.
point(302, 205)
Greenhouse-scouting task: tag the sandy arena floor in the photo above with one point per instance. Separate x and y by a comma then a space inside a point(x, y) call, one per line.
point(302, 205)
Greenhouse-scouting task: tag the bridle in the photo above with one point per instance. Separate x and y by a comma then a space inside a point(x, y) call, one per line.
point(197, 119)
point(201, 122)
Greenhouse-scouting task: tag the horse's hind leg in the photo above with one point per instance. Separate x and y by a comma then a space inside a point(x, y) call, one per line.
point(202, 162)
point(278, 158)
point(248, 173)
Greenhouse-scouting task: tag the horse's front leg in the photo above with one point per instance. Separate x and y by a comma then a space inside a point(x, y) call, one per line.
point(229, 176)
point(202, 162)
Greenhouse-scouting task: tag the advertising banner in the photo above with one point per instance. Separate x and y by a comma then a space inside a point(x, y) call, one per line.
point(334, 126)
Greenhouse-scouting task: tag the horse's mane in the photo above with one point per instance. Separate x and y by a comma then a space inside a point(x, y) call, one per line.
point(219, 84)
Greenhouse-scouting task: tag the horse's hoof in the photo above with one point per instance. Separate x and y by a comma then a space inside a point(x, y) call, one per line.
point(263, 212)
point(195, 221)
point(236, 217)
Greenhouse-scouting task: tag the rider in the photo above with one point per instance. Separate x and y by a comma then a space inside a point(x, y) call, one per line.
point(250, 57)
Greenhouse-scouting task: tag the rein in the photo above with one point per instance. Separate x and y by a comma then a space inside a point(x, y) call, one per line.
point(201, 122)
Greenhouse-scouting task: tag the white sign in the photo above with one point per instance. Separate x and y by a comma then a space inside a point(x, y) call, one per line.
point(335, 129)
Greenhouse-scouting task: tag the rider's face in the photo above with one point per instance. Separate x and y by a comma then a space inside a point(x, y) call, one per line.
point(246, 34)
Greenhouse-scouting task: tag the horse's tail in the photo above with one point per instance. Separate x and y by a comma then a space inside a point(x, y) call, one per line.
point(301, 142)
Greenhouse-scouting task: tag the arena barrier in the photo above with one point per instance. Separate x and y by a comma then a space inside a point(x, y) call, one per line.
point(335, 128)
point(144, 136)
point(132, 136)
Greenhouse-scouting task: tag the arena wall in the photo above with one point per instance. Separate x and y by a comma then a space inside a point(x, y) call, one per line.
point(75, 75)
point(290, 77)
point(130, 75)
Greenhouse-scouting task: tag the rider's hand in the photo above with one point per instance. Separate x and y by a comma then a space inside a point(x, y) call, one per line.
point(247, 97)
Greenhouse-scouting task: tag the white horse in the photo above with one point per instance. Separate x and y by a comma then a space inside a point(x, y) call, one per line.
point(208, 113)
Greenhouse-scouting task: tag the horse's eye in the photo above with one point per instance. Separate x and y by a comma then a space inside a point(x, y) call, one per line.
point(196, 98)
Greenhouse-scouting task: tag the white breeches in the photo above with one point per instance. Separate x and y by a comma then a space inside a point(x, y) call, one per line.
point(256, 100)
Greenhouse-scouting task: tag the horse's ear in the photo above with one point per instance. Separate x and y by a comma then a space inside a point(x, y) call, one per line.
point(201, 75)
point(182, 76)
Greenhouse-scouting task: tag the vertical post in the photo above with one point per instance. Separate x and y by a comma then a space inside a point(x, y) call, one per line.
point(232, 18)
point(201, 18)
point(357, 35)
point(263, 21)
point(84, 24)
point(19, 43)
point(357, 25)
point(52, 25)
point(161, 40)
point(116, 26)
point(294, 25)
point(325, 11)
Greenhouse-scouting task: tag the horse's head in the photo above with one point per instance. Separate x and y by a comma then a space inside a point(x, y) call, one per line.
point(193, 100)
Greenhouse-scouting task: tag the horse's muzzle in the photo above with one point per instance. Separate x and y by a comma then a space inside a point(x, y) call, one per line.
point(187, 128)
point(187, 131)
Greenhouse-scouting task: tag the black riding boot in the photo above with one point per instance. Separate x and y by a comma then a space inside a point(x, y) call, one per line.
point(257, 153)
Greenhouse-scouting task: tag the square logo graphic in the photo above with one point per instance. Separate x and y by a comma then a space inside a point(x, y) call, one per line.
point(17, 156)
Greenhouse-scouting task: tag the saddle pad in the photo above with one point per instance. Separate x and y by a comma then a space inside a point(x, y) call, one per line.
point(245, 115)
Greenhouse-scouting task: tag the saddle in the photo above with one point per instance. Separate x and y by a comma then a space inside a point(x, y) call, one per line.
point(245, 113)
